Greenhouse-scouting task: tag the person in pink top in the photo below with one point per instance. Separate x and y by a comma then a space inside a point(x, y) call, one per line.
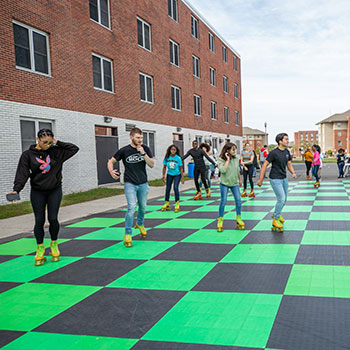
point(316, 163)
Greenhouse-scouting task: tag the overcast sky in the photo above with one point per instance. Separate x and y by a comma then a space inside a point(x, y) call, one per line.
point(295, 58)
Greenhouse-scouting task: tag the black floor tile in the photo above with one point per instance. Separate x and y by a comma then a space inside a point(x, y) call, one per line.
point(4, 286)
point(323, 255)
point(9, 336)
point(308, 323)
point(323, 225)
point(298, 203)
point(201, 215)
point(149, 223)
point(290, 216)
point(334, 209)
point(166, 234)
point(195, 252)
point(114, 312)
point(270, 237)
point(74, 232)
point(4, 258)
point(333, 198)
point(249, 224)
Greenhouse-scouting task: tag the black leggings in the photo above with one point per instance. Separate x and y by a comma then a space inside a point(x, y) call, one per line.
point(249, 173)
point(308, 167)
point(41, 199)
point(200, 171)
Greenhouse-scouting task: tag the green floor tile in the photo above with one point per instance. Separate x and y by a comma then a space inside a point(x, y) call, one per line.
point(22, 269)
point(142, 250)
point(326, 238)
point(98, 222)
point(213, 208)
point(165, 214)
point(228, 236)
point(194, 203)
point(332, 194)
point(262, 253)
point(24, 246)
point(167, 275)
point(186, 223)
point(52, 341)
point(330, 216)
point(291, 225)
point(231, 319)
point(256, 215)
point(311, 190)
point(311, 197)
point(108, 234)
point(297, 208)
point(263, 203)
point(327, 203)
point(27, 306)
point(319, 281)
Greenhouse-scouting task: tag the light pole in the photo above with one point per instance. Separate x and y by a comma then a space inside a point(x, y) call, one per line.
point(265, 125)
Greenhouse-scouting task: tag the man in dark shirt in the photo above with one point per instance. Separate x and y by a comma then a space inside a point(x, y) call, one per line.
point(280, 159)
point(135, 157)
point(199, 168)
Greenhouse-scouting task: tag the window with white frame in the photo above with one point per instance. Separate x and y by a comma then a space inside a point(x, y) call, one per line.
point(175, 98)
point(224, 54)
point(237, 117)
point(235, 63)
point(213, 110)
point(144, 34)
point(99, 12)
point(195, 66)
point(211, 42)
point(226, 115)
point(226, 85)
point(212, 76)
point(148, 140)
point(215, 144)
point(172, 9)
point(31, 48)
point(199, 139)
point(339, 143)
point(197, 102)
point(102, 73)
point(194, 27)
point(174, 52)
point(146, 88)
point(29, 130)
point(339, 133)
point(236, 91)
point(338, 125)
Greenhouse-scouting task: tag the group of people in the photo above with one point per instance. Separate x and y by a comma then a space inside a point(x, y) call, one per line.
point(43, 162)
point(313, 160)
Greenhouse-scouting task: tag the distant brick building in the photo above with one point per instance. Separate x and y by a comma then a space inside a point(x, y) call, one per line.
point(91, 70)
point(256, 138)
point(304, 139)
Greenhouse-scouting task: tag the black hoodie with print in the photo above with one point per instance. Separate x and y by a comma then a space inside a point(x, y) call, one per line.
point(44, 168)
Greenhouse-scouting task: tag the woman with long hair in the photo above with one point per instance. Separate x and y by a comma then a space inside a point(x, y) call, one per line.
point(247, 159)
point(230, 180)
point(316, 163)
point(172, 173)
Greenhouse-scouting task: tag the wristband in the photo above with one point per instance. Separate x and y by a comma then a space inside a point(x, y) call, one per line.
point(142, 154)
point(261, 179)
point(111, 171)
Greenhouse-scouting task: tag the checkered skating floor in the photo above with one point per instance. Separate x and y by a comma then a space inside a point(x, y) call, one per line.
point(186, 286)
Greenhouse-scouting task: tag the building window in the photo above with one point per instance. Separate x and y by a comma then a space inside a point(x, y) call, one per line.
point(226, 85)
point(226, 115)
point(236, 90)
point(172, 9)
point(211, 42)
point(99, 12)
point(212, 76)
point(148, 140)
point(146, 88)
point(339, 143)
point(235, 63)
point(144, 34)
point(213, 111)
point(31, 48)
point(339, 125)
point(174, 53)
point(29, 130)
point(195, 64)
point(339, 133)
point(197, 105)
point(199, 139)
point(237, 117)
point(102, 73)
point(176, 98)
point(194, 27)
point(215, 144)
point(224, 54)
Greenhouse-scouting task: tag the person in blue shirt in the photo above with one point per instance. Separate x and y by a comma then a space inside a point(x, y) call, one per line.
point(172, 172)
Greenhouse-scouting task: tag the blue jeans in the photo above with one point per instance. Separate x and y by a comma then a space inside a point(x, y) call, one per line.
point(280, 187)
point(341, 168)
point(254, 172)
point(236, 193)
point(135, 194)
point(169, 181)
point(315, 172)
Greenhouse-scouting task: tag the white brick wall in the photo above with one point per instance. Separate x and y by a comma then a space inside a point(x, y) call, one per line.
point(80, 172)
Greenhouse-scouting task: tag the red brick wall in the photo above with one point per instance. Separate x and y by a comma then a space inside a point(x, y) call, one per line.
point(73, 37)
point(300, 143)
point(341, 138)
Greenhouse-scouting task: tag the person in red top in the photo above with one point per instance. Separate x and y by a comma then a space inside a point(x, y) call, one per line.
point(263, 153)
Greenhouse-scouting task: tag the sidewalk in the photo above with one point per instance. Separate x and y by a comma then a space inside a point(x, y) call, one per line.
point(25, 223)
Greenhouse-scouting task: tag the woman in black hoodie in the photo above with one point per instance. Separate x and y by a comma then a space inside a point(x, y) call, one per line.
point(42, 163)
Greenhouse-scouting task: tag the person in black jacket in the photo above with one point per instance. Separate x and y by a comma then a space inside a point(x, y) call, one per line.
point(199, 168)
point(341, 162)
point(42, 163)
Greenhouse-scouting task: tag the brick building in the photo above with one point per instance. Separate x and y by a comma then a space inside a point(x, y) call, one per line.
point(304, 139)
point(91, 70)
point(256, 138)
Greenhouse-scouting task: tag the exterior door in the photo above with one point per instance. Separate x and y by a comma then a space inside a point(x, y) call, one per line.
point(106, 146)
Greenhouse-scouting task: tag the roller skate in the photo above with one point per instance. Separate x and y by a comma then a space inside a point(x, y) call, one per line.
point(165, 207)
point(55, 253)
point(239, 223)
point(281, 219)
point(308, 178)
point(208, 192)
point(277, 226)
point(244, 193)
point(251, 194)
point(127, 241)
point(39, 256)
point(177, 207)
point(220, 224)
point(198, 196)
point(142, 230)
point(317, 184)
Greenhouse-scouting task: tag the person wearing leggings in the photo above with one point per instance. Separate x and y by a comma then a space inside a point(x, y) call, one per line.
point(247, 159)
point(42, 163)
